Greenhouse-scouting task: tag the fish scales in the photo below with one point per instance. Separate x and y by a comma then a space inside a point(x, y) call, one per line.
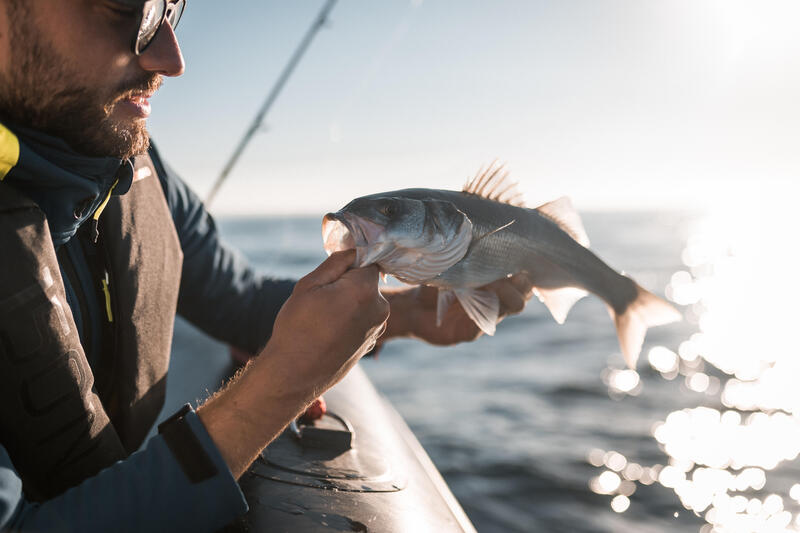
point(520, 247)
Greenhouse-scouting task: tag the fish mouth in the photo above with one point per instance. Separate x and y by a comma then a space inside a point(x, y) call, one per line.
point(345, 231)
point(337, 233)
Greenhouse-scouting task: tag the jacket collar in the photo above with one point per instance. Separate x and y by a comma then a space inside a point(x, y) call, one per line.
point(67, 186)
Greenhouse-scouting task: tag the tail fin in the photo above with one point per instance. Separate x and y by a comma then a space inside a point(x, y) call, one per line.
point(645, 311)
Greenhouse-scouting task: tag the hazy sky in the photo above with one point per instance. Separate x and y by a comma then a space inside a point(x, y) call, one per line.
point(618, 104)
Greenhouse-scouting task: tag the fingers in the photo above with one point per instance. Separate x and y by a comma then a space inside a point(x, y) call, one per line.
point(363, 274)
point(513, 293)
point(512, 301)
point(373, 335)
point(523, 284)
point(364, 290)
point(329, 270)
point(363, 282)
point(382, 312)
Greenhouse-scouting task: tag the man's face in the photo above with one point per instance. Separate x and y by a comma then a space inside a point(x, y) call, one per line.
point(66, 68)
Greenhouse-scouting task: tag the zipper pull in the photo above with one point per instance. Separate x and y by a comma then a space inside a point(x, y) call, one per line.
point(94, 229)
point(125, 174)
point(96, 216)
point(105, 283)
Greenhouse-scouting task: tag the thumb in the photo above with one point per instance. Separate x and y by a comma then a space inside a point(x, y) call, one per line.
point(331, 269)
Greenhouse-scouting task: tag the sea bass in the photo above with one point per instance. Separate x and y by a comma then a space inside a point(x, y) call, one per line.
point(461, 241)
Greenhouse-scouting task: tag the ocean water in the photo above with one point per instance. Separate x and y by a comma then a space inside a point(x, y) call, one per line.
point(542, 428)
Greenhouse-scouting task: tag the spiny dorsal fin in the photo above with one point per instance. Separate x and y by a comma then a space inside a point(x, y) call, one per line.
point(494, 184)
point(564, 215)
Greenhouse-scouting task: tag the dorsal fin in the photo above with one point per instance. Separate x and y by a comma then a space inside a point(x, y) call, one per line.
point(564, 215)
point(494, 184)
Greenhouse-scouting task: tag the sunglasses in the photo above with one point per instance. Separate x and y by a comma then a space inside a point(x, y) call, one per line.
point(154, 14)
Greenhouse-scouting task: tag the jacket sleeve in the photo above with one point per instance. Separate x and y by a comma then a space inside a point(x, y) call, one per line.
point(220, 292)
point(148, 491)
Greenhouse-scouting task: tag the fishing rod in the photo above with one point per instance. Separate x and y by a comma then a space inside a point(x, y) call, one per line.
point(318, 23)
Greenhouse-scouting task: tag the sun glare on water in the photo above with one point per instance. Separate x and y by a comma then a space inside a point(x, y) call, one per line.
point(739, 288)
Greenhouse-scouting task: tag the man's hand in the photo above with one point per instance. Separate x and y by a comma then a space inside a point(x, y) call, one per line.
point(414, 312)
point(332, 318)
point(334, 315)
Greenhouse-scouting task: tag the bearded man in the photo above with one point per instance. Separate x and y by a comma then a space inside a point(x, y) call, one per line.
point(101, 245)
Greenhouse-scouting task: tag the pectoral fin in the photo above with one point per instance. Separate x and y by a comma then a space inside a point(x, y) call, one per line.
point(444, 299)
point(482, 306)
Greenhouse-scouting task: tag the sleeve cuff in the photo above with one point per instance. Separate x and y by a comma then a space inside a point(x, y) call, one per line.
point(149, 491)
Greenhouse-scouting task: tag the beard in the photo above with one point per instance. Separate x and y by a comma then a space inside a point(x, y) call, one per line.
point(42, 92)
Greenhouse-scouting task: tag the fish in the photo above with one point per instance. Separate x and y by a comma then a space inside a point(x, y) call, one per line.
point(460, 241)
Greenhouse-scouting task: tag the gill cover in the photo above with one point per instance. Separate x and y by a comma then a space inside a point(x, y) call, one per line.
point(444, 240)
point(428, 237)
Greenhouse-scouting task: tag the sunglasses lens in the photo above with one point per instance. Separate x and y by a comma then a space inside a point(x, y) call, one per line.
point(152, 15)
point(174, 13)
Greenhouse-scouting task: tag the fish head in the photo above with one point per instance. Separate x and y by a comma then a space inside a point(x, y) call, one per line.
point(413, 239)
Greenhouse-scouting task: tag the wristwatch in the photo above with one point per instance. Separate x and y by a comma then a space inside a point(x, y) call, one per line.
point(186, 447)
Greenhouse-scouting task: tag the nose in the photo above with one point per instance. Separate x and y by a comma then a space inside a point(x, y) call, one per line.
point(163, 56)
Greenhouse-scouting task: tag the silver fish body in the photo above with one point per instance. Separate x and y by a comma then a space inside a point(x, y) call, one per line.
point(461, 241)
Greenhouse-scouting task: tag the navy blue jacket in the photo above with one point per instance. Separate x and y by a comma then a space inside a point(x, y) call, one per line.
point(221, 294)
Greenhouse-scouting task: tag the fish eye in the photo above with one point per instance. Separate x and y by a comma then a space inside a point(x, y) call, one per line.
point(388, 209)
